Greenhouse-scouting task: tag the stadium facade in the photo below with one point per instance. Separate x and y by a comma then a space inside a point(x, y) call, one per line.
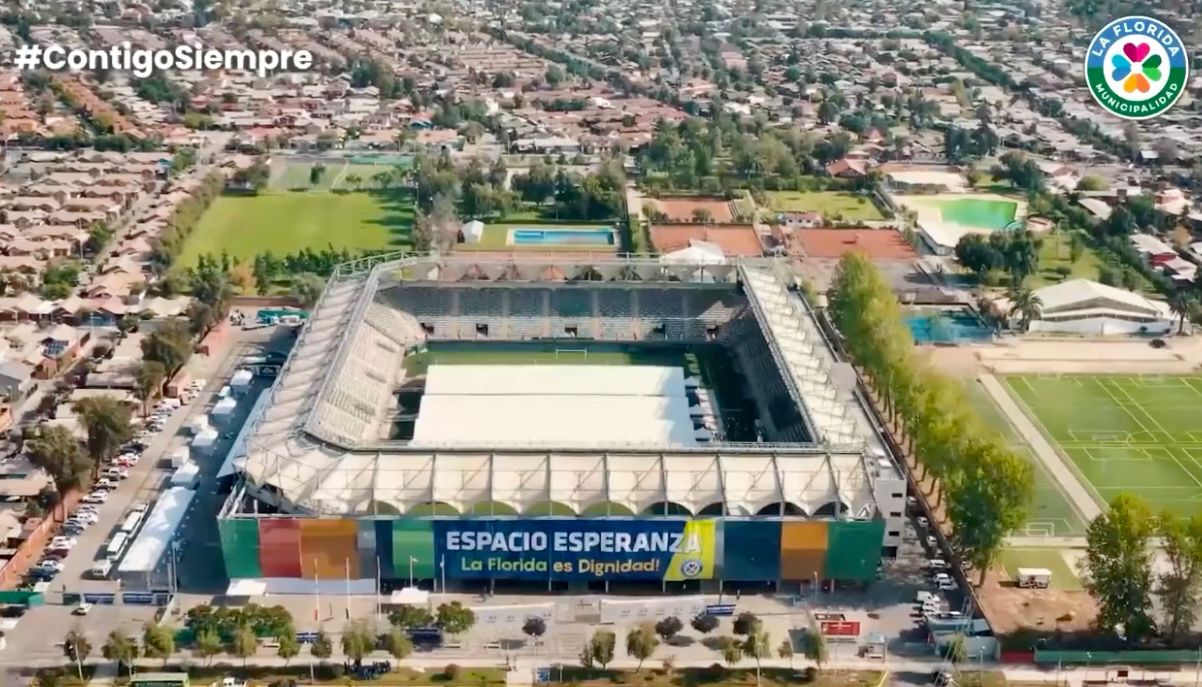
point(328, 495)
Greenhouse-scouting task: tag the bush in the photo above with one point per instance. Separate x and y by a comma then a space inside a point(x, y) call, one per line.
point(451, 672)
point(1063, 270)
point(810, 674)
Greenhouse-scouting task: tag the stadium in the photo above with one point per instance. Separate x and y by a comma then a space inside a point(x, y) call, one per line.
point(563, 424)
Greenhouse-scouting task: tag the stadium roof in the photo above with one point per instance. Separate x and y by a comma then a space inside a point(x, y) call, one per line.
point(321, 444)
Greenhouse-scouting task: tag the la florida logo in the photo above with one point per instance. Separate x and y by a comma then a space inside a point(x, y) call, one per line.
point(1136, 67)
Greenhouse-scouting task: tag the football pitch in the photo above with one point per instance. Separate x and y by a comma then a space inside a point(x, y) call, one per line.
point(1135, 434)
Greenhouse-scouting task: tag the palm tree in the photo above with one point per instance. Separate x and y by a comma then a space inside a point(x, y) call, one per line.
point(1181, 304)
point(1025, 304)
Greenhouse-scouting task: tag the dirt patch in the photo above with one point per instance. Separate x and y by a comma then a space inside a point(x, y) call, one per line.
point(680, 209)
point(1010, 609)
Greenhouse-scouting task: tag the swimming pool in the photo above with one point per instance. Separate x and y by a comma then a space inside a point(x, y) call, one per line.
point(947, 325)
point(561, 237)
point(978, 212)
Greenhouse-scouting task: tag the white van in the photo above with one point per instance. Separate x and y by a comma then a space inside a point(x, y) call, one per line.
point(102, 568)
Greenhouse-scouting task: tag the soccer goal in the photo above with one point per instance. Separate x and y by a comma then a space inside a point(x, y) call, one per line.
point(570, 353)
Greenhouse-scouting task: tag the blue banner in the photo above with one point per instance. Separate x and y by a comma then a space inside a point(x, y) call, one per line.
point(576, 549)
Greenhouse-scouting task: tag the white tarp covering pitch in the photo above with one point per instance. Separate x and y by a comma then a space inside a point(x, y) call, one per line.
point(152, 542)
point(541, 380)
point(567, 406)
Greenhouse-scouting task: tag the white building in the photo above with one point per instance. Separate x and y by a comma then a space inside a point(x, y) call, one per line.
point(1081, 306)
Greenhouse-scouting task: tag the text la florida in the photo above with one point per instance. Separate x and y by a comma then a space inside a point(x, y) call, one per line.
point(1126, 28)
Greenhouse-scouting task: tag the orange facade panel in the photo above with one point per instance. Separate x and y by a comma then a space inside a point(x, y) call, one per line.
point(803, 536)
point(329, 549)
point(802, 564)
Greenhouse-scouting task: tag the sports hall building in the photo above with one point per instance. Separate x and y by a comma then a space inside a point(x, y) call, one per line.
point(560, 424)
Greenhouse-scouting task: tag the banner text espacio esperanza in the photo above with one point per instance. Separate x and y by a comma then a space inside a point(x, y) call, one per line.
point(653, 544)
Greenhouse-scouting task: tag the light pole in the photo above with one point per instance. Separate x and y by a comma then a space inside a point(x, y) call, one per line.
point(411, 561)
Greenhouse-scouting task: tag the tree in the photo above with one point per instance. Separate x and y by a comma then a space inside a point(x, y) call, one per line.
point(641, 642)
point(444, 223)
point(601, 647)
point(315, 174)
point(785, 651)
point(120, 648)
point(731, 650)
point(988, 500)
point(357, 641)
point(668, 628)
point(354, 180)
point(57, 451)
point(813, 647)
point(170, 345)
point(454, 618)
point(746, 623)
point(534, 627)
point(322, 648)
point(158, 641)
point(410, 616)
point(757, 645)
point(306, 288)
point(704, 623)
point(77, 648)
point(1182, 305)
point(244, 643)
point(148, 382)
point(1118, 567)
point(397, 643)
point(208, 645)
point(956, 649)
point(1181, 540)
point(289, 645)
point(702, 216)
point(107, 422)
point(1026, 305)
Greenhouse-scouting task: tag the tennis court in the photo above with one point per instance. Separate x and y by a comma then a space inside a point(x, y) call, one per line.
point(1136, 434)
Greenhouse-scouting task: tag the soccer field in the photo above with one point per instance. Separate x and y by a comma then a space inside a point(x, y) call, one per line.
point(850, 206)
point(337, 176)
point(1136, 434)
point(1052, 514)
point(284, 223)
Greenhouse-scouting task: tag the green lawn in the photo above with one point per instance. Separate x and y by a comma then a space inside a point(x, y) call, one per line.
point(1051, 511)
point(830, 203)
point(1055, 251)
point(496, 237)
point(1063, 576)
point(296, 176)
point(1135, 434)
point(286, 222)
point(712, 364)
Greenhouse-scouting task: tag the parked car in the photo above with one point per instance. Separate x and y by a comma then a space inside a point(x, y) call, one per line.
point(82, 609)
point(86, 514)
point(96, 497)
point(922, 521)
point(116, 473)
point(932, 542)
point(106, 484)
point(51, 564)
point(13, 611)
point(139, 507)
point(937, 564)
point(63, 541)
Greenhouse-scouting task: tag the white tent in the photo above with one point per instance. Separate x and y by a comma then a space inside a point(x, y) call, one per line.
point(224, 392)
point(224, 407)
point(473, 231)
point(199, 424)
point(241, 378)
point(698, 253)
point(205, 439)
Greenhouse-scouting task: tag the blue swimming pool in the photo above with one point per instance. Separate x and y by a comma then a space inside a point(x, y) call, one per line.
point(561, 237)
point(947, 325)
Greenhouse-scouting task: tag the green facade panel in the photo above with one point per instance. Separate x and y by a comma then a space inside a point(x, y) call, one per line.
point(854, 550)
point(240, 547)
point(413, 544)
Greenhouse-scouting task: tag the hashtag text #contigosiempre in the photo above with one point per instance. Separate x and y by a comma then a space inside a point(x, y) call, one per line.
point(142, 62)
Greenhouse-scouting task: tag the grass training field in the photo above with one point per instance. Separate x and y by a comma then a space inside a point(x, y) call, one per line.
point(712, 364)
point(830, 203)
point(1135, 434)
point(287, 222)
point(1063, 575)
point(1052, 514)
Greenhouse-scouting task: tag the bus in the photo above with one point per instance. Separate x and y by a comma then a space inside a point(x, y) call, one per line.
point(117, 546)
point(131, 522)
